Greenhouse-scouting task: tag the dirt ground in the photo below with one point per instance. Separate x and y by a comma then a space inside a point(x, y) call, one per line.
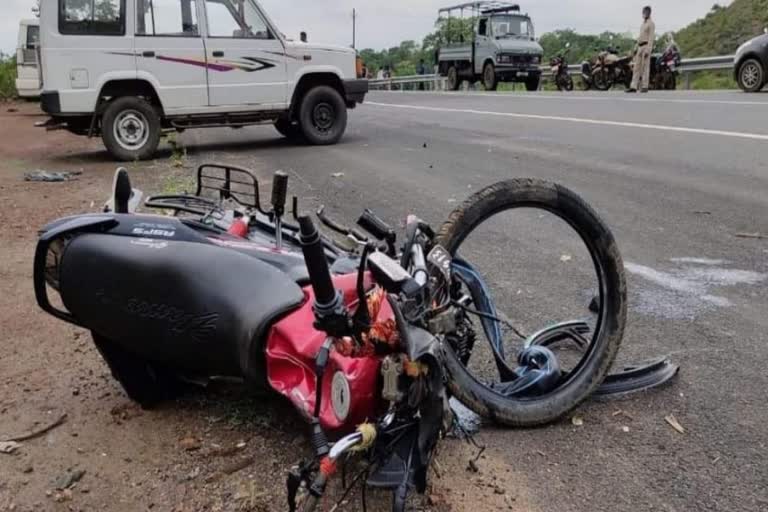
point(220, 450)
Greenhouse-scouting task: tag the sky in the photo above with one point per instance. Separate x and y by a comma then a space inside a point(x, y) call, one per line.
point(384, 23)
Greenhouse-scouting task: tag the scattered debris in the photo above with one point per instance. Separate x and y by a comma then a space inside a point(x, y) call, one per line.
point(499, 490)
point(125, 411)
point(190, 443)
point(565, 258)
point(9, 447)
point(472, 466)
point(624, 413)
point(625, 428)
point(28, 469)
point(716, 459)
point(238, 465)
point(337, 175)
point(62, 496)
point(755, 236)
point(241, 445)
point(701, 212)
point(51, 177)
point(12, 110)
point(577, 420)
point(425, 145)
point(672, 421)
point(69, 479)
point(38, 432)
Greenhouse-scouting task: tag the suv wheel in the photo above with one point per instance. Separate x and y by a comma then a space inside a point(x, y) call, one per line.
point(490, 80)
point(130, 128)
point(453, 79)
point(751, 76)
point(323, 115)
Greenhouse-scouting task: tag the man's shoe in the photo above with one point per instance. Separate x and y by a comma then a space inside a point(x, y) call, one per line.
point(630, 90)
point(643, 91)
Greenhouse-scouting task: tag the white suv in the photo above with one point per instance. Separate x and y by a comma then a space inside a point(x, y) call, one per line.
point(133, 69)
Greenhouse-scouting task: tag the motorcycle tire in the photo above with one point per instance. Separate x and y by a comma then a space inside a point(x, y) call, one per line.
point(584, 379)
point(145, 383)
point(602, 80)
point(567, 83)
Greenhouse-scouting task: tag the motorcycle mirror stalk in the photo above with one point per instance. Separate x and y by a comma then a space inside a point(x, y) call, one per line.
point(279, 194)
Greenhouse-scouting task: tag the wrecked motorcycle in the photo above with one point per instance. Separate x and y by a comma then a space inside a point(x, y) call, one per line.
point(367, 337)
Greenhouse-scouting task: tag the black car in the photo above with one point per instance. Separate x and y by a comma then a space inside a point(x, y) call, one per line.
point(751, 64)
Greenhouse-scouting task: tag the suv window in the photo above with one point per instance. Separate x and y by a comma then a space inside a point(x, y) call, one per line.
point(167, 18)
point(237, 19)
point(92, 17)
point(33, 36)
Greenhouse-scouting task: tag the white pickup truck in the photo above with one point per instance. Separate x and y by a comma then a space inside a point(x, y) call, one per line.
point(131, 70)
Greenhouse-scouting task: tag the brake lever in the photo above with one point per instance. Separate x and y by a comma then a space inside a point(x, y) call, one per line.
point(333, 225)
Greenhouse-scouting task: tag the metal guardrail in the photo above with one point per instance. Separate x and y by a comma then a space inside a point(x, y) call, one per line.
point(437, 82)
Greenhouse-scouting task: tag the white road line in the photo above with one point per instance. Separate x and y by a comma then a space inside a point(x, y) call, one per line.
point(574, 97)
point(660, 127)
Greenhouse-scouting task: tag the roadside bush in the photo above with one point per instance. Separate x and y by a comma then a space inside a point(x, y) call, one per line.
point(7, 77)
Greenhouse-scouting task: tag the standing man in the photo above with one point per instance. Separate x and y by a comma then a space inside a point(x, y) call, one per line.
point(421, 69)
point(641, 74)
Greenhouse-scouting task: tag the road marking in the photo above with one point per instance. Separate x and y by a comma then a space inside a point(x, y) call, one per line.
point(601, 122)
point(572, 97)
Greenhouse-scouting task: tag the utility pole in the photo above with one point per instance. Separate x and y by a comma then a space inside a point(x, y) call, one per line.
point(354, 27)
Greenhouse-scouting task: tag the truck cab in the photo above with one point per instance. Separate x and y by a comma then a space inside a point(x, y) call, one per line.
point(503, 48)
point(27, 70)
point(132, 70)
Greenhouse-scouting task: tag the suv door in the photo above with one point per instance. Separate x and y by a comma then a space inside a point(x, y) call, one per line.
point(483, 44)
point(170, 52)
point(246, 59)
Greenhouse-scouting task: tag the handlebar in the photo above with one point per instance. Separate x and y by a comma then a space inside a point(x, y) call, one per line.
point(317, 264)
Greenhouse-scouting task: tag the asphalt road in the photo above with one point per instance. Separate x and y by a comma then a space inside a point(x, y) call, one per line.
point(677, 176)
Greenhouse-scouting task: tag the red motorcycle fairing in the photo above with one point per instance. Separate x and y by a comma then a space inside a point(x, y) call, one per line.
point(293, 344)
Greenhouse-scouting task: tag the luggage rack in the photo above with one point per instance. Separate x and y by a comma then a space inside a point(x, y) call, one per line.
point(484, 7)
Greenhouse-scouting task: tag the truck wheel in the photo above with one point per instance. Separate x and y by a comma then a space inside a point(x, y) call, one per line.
point(288, 129)
point(532, 83)
point(490, 80)
point(322, 116)
point(145, 383)
point(453, 79)
point(130, 128)
point(751, 76)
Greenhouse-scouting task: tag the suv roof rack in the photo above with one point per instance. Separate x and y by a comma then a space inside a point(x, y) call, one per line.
point(485, 7)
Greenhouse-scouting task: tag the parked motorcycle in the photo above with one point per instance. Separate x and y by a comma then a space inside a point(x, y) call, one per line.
point(665, 66)
point(560, 75)
point(610, 69)
point(367, 337)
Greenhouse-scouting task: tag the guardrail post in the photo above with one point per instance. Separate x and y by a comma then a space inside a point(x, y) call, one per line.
point(687, 81)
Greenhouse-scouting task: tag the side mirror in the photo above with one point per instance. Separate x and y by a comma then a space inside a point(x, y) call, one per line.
point(568, 45)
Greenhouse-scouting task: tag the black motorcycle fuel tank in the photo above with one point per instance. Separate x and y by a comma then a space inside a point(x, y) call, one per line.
point(164, 292)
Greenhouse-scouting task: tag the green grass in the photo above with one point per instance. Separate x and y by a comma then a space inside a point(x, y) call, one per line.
point(7, 77)
point(708, 80)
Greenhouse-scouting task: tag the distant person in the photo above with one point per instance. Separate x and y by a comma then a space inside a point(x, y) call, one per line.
point(641, 74)
point(421, 69)
point(303, 37)
point(380, 74)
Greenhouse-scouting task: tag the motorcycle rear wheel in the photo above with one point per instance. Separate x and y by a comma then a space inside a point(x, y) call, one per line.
point(582, 381)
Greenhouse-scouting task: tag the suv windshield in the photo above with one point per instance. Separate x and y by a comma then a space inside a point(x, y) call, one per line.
point(511, 26)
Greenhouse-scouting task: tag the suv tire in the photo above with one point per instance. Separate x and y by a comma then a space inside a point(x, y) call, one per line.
point(322, 116)
point(490, 79)
point(454, 82)
point(751, 75)
point(130, 129)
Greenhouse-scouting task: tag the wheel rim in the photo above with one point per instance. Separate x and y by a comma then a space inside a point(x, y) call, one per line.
point(131, 129)
point(323, 117)
point(750, 75)
point(600, 318)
